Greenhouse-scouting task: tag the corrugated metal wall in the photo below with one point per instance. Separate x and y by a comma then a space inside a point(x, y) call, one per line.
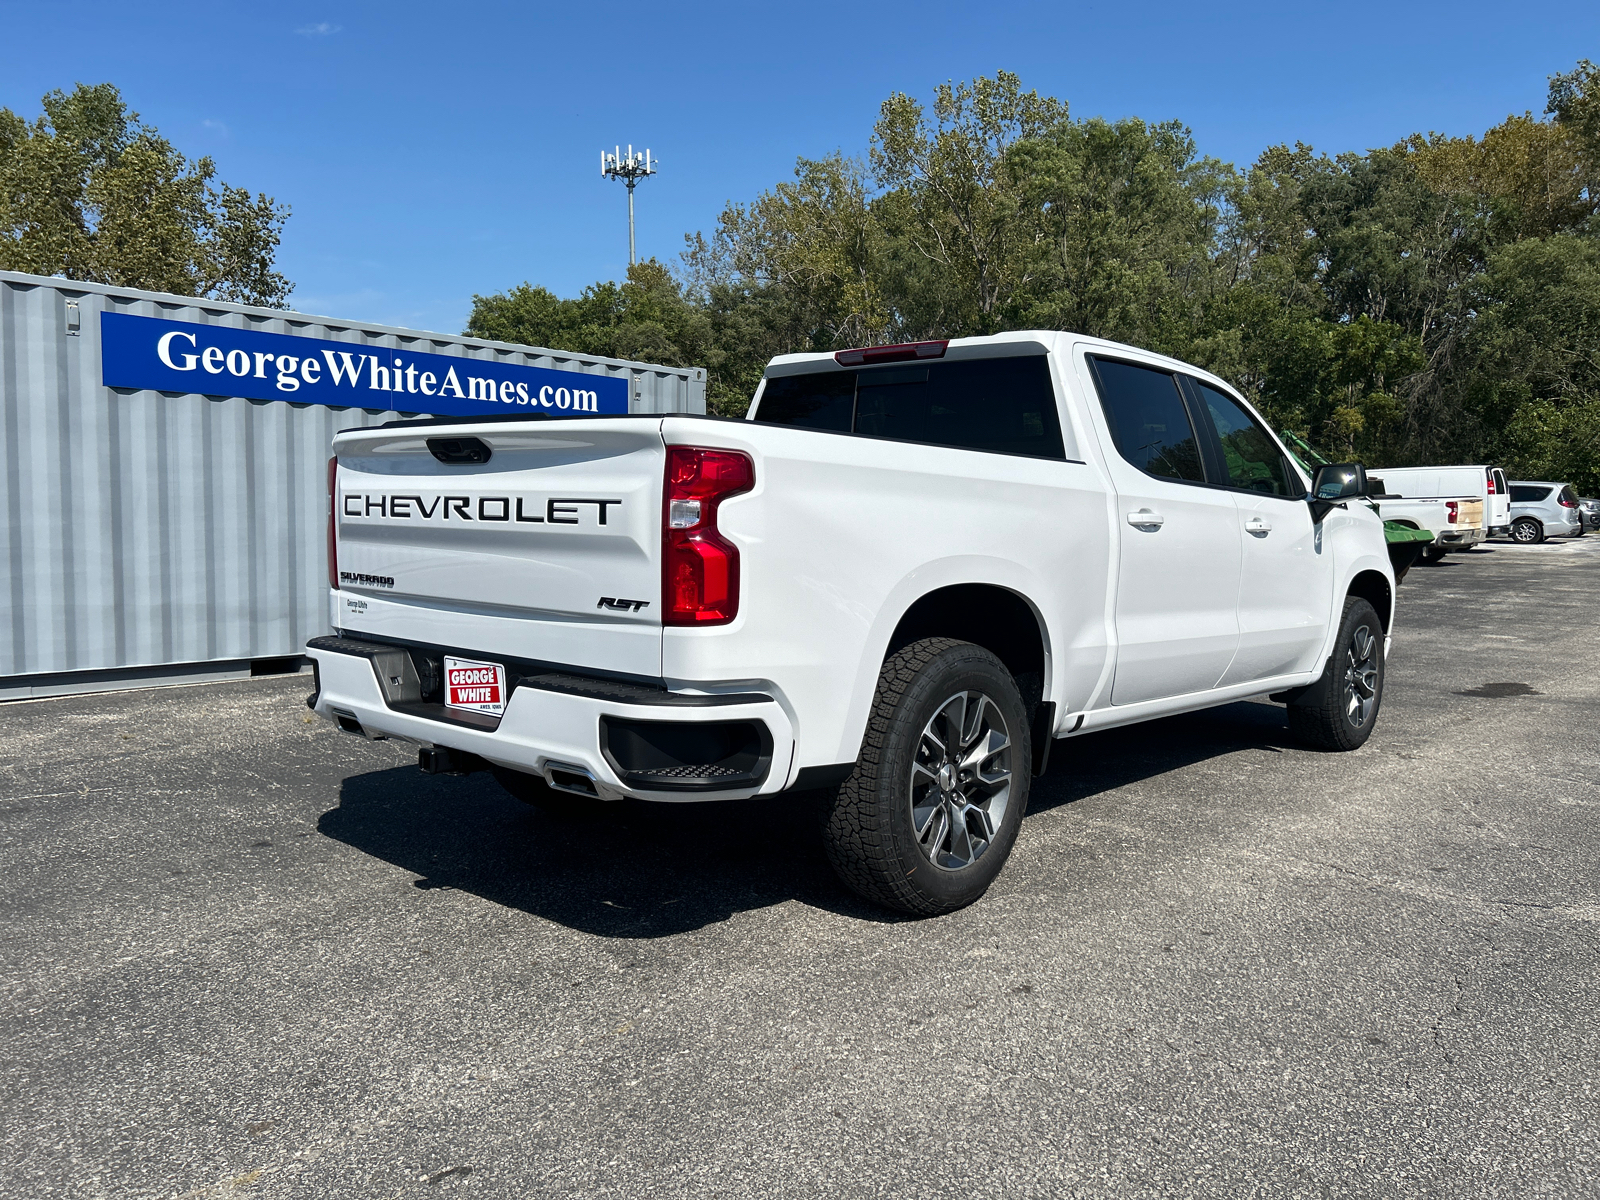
point(146, 529)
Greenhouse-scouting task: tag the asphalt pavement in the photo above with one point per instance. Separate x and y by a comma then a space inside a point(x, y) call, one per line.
point(243, 954)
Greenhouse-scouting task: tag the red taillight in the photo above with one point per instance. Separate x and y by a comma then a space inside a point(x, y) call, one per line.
point(903, 352)
point(1491, 483)
point(1452, 508)
point(1565, 501)
point(699, 567)
point(333, 541)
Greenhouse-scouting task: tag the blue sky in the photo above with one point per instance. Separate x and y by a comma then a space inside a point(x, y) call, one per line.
point(434, 152)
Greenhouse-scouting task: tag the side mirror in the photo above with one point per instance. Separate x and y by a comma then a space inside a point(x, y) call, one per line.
point(1335, 483)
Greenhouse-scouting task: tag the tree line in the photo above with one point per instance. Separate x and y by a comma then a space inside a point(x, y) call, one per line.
point(1433, 301)
point(1437, 300)
point(90, 192)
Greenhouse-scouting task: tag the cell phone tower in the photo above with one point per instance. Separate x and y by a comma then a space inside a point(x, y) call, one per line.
point(630, 170)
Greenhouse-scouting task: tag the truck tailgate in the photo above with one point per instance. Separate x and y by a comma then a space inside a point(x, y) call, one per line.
point(550, 550)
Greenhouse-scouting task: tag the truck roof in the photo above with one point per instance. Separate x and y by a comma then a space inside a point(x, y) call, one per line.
point(1018, 341)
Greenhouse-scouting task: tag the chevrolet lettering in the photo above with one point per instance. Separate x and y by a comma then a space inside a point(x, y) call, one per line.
point(557, 510)
point(908, 573)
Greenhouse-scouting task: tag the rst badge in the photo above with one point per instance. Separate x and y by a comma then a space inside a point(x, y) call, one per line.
point(475, 686)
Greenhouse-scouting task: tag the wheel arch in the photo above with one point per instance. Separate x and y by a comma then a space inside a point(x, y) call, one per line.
point(1373, 587)
point(1000, 620)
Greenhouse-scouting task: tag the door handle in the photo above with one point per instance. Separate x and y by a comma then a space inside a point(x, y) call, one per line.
point(1259, 525)
point(1145, 519)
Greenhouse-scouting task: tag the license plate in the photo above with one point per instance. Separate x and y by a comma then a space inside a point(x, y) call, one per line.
point(475, 686)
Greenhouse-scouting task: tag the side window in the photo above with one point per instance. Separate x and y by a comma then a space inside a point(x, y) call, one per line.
point(1521, 493)
point(1252, 458)
point(1148, 420)
point(824, 400)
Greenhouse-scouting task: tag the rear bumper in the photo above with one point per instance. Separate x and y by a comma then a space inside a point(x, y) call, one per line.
point(1458, 539)
point(622, 739)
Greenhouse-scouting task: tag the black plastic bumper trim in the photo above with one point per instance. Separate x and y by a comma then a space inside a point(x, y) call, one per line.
point(807, 778)
point(549, 677)
point(1043, 736)
point(685, 756)
point(621, 693)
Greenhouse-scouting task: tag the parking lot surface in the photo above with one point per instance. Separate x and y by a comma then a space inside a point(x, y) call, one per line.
point(247, 955)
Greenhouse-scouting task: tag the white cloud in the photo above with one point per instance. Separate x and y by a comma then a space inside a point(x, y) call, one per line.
point(216, 127)
point(320, 29)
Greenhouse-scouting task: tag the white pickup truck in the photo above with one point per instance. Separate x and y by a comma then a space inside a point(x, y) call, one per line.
point(1460, 506)
point(907, 572)
point(1456, 522)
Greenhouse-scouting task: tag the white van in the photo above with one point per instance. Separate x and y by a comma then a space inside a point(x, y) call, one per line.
point(1486, 482)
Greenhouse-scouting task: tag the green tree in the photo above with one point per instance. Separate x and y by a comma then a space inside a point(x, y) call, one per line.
point(645, 318)
point(1575, 103)
point(816, 239)
point(965, 215)
point(89, 192)
point(1431, 301)
point(1128, 221)
point(1535, 347)
point(729, 328)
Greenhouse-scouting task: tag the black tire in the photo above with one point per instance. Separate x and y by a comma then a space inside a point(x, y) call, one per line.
point(532, 789)
point(1324, 714)
point(1526, 531)
point(871, 825)
point(1432, 554)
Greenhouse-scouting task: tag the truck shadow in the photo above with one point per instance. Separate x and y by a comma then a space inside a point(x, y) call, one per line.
point(653, 870)
point(1098, 762)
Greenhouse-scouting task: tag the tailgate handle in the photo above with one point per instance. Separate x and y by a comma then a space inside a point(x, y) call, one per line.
point(458, 450)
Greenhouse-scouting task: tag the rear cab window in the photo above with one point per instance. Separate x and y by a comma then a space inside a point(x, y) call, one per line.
point(1000, 405)
point(824, 400)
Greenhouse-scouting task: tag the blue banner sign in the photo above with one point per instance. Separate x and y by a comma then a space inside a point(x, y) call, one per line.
point(215, 360)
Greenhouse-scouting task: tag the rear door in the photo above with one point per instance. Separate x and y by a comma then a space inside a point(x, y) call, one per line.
point(547, 549)
point(1499, 515)
point(1178, 574)
point(1286, 577)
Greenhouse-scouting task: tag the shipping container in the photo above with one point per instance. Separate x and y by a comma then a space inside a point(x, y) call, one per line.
point(152, 534)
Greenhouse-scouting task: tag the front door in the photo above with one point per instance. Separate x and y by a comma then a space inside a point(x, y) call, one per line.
point(1178, 576)
point(1286, 580)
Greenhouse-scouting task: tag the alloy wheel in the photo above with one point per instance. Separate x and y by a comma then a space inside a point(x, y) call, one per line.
point(1361, 676)
point(961, 780)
